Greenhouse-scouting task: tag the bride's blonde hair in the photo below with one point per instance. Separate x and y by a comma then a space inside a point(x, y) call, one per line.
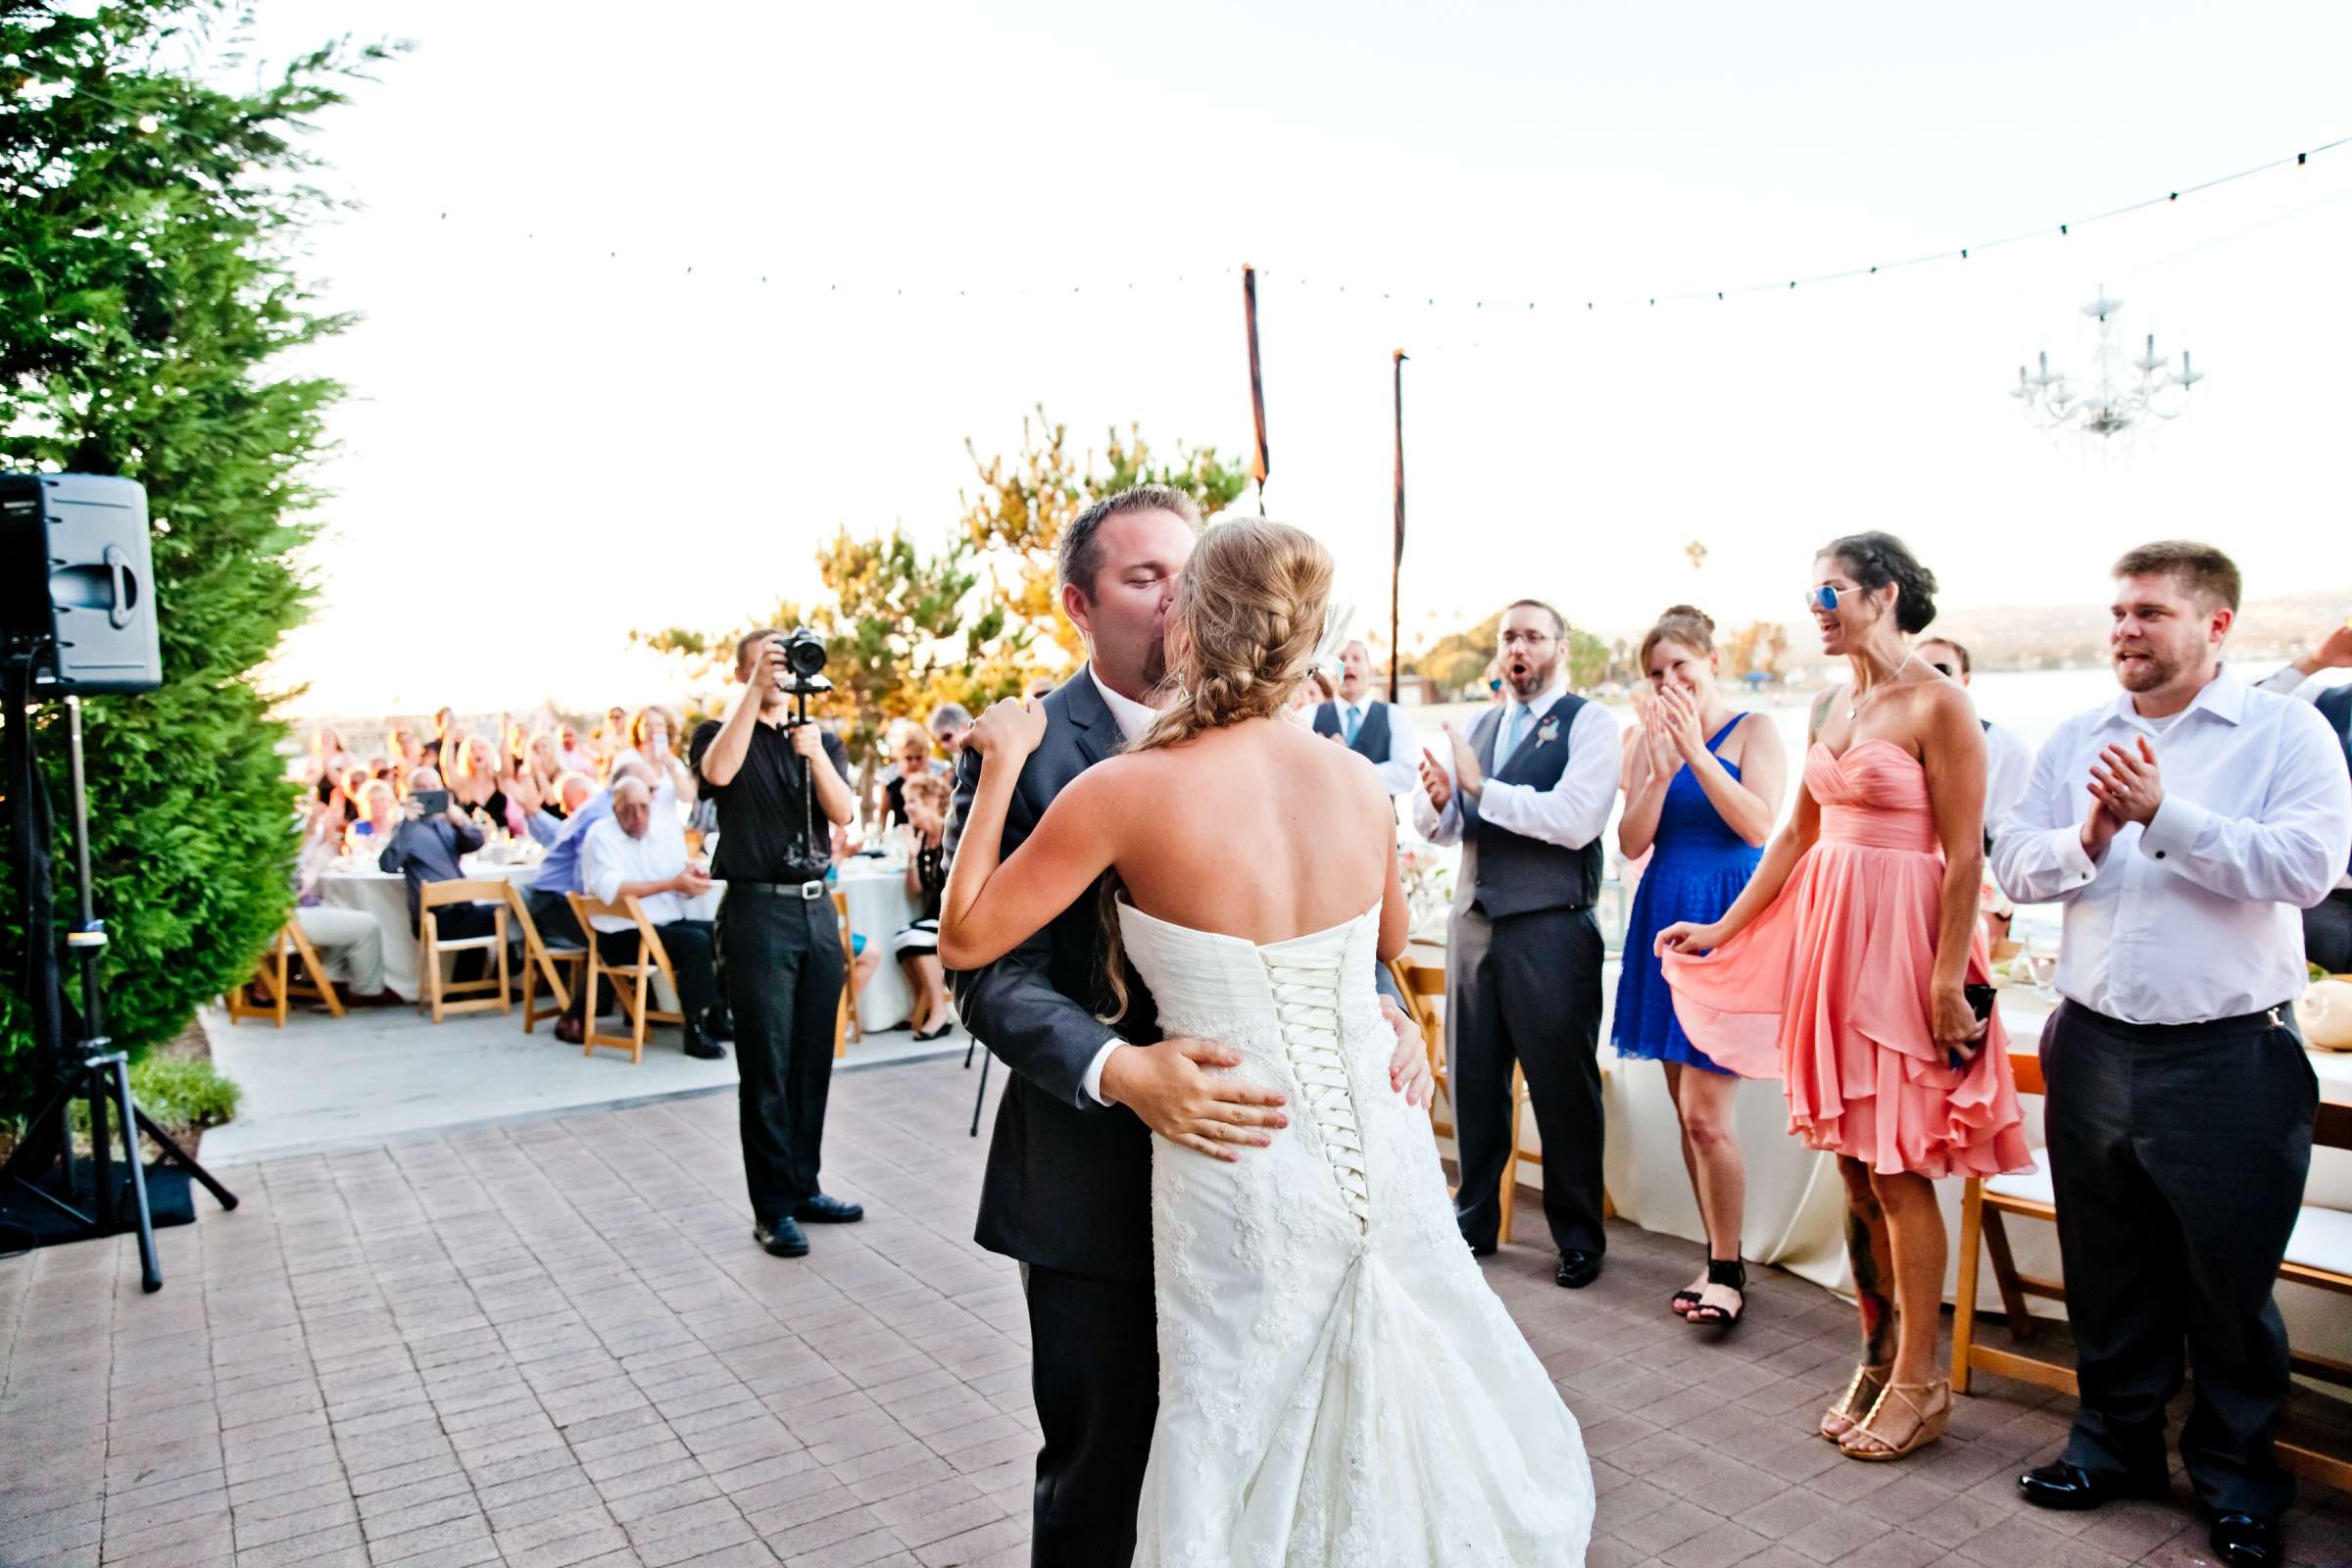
point(1248, 622)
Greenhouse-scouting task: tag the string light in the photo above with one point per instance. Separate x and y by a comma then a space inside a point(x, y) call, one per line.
point(1782, 284)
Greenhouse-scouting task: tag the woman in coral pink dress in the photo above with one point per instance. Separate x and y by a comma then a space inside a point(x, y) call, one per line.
point(1850, 955)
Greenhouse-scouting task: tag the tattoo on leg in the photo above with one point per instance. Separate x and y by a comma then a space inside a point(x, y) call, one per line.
point(1870, 1293)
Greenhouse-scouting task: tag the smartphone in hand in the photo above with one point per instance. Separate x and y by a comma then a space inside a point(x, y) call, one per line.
point(1980, 999)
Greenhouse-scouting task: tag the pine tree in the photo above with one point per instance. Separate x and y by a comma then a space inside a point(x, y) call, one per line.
point(148, 227)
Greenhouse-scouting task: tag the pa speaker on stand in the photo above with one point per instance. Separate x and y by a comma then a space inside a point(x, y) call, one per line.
point(76, 617)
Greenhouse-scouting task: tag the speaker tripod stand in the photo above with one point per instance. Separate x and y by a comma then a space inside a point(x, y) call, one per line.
point(42, 1165)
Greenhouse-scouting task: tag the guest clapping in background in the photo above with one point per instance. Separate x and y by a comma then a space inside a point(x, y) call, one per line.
point(911, 752)
point(916, 945)
point(2185, 826)
point(1702, 790)
point(2328, 924)
point(653, 737)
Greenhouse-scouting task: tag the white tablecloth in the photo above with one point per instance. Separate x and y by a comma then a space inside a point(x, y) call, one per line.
point(880, 906)
point(1796, 1214)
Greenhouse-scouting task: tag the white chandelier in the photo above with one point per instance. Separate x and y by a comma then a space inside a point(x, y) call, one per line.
point(2117, 401)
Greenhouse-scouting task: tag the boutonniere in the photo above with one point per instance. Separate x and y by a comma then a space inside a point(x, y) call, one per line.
point(1548, 732)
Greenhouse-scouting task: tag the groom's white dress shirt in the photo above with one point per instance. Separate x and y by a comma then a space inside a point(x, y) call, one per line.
point(1571, 813)
point(2197, 917)
point(1400, 769)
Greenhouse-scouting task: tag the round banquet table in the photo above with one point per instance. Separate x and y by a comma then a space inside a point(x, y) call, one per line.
point(880, 906)
point(383, 895)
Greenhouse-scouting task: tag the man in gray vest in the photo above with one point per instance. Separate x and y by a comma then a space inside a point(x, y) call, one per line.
point(1526, 792)
point(2328, 924)
point(1371, 729)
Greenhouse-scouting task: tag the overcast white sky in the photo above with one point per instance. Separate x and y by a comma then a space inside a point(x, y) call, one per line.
point(961, 210)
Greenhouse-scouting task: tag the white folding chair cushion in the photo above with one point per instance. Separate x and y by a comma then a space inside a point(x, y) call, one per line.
point(2032, 1186)
point(2321, 1240)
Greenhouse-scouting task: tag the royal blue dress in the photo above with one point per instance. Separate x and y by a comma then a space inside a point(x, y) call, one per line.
point(1698, 867)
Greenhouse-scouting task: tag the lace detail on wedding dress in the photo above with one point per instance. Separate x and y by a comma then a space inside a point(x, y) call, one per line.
point(1307, 997)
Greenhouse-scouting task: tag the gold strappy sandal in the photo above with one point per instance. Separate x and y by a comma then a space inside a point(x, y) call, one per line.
point(1855, 1403)
point(1917, 1397)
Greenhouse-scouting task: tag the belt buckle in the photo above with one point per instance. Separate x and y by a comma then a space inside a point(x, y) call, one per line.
point(811, 891)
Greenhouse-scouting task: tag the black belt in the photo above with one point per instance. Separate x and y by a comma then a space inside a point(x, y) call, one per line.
point(2243, 1023)
point(810, 891)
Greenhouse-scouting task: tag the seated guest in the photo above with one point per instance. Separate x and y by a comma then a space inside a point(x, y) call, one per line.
point(916, 945)
point(441, 743)
point(2328, 924)
point(950, 724)
point(911, 751)
point(351, 941)
point(1374, 729)
point(560, 876)
point(572, 791)
point(653, 737)
point(539, 762)
point(427, 849)
point(2185, 827)
point(400, 746)
point(379, 818)
point(611, 737)
point(631, 855)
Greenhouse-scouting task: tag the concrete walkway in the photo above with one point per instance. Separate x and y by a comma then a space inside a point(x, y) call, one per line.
point(552, 1343)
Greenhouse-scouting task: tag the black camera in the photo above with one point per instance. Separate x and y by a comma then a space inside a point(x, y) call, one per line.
point(804, 662)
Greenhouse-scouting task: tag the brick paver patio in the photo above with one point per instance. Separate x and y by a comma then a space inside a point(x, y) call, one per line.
point(553, 1343)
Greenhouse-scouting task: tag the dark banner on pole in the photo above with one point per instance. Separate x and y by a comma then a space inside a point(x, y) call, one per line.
point(1259, 464)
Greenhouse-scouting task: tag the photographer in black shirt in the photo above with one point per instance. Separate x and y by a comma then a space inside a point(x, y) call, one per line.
point(779, 786)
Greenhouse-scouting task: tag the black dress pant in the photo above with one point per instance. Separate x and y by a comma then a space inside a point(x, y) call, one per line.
point(2327, 933)
point(692, 950)
point(1526, 988)
point(1093, 1353)
point(2179, 1155)
point(782, 966)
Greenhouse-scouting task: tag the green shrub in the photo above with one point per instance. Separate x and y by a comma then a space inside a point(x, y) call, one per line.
point(178, 1092)
point(149, 228)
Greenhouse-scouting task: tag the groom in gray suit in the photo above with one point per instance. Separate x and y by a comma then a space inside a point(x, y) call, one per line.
point(1527, 792)
point(1069, 1188)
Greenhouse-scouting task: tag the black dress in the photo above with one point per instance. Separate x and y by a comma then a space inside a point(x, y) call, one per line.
point(922, 935)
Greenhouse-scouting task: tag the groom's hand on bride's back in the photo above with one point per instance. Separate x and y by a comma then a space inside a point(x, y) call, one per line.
point(1168, 1090)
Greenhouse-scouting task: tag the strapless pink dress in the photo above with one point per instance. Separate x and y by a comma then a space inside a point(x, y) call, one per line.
point(1829, 987)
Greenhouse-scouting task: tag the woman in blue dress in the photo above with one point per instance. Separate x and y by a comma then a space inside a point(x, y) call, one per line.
point(1702, 793)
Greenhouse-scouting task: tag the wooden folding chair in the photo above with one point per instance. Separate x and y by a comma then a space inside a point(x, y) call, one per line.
point(478, 996)
point(2319, 1254)
point(291, 971)
point(845, 1018)
point(1424, 987)
point(632, 982)
point(540, 960)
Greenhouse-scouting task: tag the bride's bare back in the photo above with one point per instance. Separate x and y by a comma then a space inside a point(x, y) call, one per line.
point(1258, 829)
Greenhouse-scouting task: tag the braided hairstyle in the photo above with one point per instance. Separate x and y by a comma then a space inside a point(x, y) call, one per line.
point(1243, 634)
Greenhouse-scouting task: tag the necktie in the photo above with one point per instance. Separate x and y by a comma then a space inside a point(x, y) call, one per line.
point(1509, 736)
point(1355, 721)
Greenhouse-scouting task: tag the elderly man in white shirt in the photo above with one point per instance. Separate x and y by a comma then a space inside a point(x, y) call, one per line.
point(637, 853)
point(2185, 827)
point(1526, 792)
point(1373, 729)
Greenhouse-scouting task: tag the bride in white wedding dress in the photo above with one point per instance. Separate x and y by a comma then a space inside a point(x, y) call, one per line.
point(1337, 1385)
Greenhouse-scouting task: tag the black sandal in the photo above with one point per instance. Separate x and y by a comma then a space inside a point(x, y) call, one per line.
point(940, 1032)
point(1722, 1275)
point(1684, 1300)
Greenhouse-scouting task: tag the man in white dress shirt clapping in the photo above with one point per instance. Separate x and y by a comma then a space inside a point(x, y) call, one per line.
point(2185, 827)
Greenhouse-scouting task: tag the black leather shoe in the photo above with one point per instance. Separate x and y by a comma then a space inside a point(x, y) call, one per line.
point(823, 1210)
point(2243, 1540)
point(783, 1239)
point(1477, 1250)
point(718, 1026)
point(2066, 1484)
point(697, 1044)
point(1578, 1268)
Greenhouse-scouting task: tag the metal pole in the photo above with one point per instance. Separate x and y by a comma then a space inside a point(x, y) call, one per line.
point(1261, 465)
point(1396, 554)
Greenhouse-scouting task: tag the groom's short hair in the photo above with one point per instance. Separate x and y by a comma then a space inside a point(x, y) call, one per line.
point(1078, 558)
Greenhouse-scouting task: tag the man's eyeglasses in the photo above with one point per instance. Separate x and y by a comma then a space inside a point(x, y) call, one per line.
point(1948, 671)
point(1824, 597)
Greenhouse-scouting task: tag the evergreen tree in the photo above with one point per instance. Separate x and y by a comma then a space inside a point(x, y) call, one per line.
point(148, 230)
